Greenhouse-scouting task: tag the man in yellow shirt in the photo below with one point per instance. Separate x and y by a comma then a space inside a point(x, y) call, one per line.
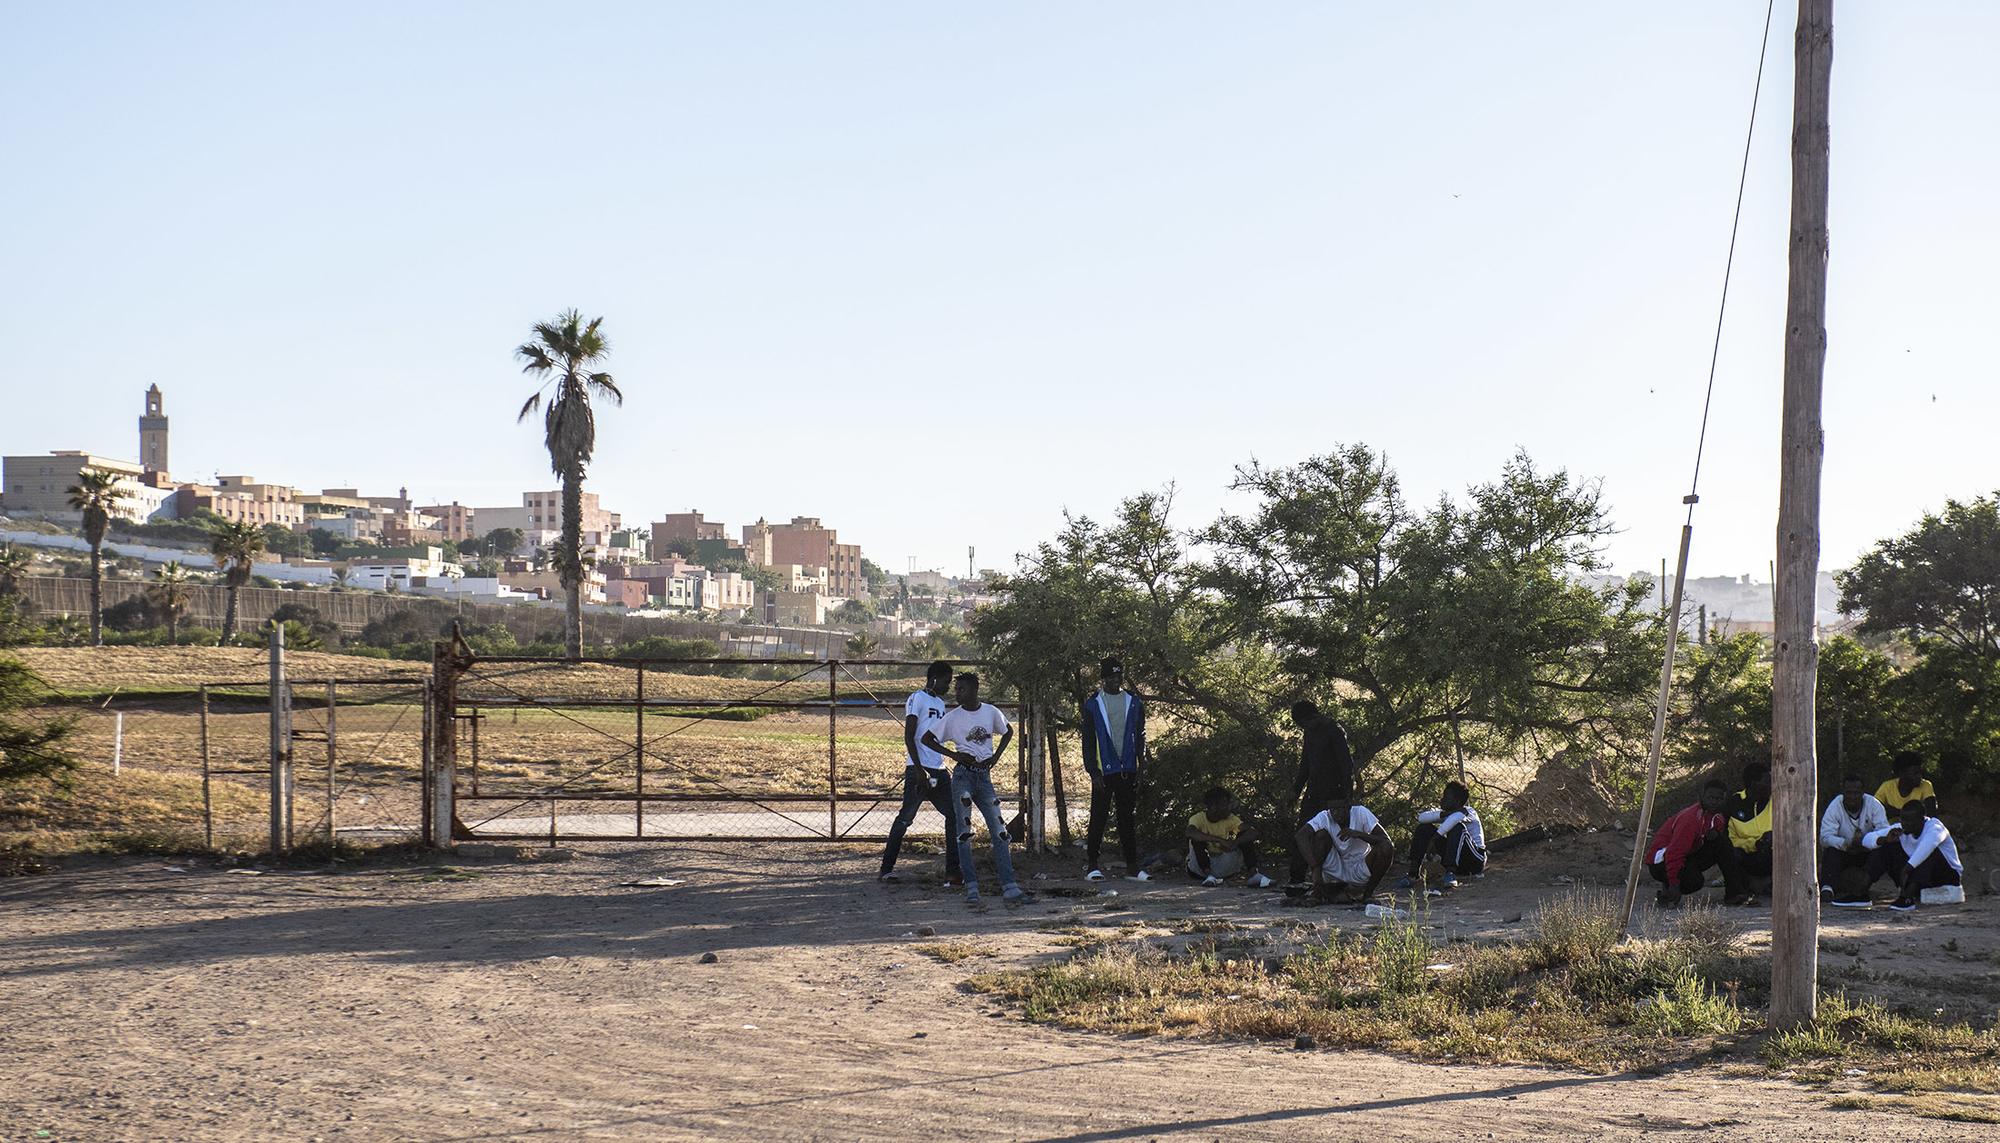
point(1747, 861)
point(1218, 845)
point(1909, 785)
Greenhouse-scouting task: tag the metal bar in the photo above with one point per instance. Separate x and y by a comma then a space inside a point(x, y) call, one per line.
point(749, 799)
point(207, 800)
point(605, 660)
point(429, 747)
point(639, 753)
point(833, 749)
point(810, 838)
point(332, 757)
point(279, 744)
point(475, 749)
point(772, 704)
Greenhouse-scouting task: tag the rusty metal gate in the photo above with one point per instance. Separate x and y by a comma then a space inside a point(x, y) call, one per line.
point(557, 750)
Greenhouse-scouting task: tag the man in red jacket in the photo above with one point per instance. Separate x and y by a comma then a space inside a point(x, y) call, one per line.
point(1689, 844)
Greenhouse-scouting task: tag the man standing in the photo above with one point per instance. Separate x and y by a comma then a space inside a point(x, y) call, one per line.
point(981, 734)
point(1114, 736)
point(1326, 770)
point(1843, 860)
point(924, 776)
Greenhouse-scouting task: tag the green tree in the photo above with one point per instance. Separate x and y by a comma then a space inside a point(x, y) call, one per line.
point(323, 542)
point(504, 542)
point(565, 353)
point(863, 646)
point(236, 546)
point(852, 611)
point(15, 564)
point(1938, 586)
point(96, 494)
point(30, 747)
point(286, 542)
point(169, 593)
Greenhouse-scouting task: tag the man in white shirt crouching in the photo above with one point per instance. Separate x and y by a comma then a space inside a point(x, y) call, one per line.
point(1843, 861)
point(1918, 852)
point(1348, 850)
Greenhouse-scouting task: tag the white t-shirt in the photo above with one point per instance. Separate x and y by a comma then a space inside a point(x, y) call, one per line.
point(927, 709)
point(1359, 819)
point(976, 732)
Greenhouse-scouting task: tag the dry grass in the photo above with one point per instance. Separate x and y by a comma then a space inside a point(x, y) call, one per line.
point(953, 952)
point(1570, 995)
point(1960, 1109)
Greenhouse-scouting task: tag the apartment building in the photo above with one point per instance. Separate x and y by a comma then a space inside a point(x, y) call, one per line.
point(39, 486)
point(684, 527)
point(243, 499)
point(806, 542)
point(454, 520)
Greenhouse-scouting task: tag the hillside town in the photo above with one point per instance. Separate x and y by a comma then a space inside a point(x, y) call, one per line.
point(794, 573)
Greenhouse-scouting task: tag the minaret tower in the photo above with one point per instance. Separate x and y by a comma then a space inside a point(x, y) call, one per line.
point(153, 433)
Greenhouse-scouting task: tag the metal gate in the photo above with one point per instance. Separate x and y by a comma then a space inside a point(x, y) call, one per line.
point(523, 748)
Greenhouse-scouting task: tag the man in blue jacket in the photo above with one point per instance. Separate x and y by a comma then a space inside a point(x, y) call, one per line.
point(1114, 736)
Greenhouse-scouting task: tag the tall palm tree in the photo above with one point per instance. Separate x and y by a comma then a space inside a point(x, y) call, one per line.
point(14, 565)
point(96, 494)
point(168, 594)
point(236, 546)
point(565, 353)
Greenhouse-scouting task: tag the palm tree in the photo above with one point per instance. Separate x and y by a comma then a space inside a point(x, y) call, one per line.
point(564, 353)
point(14, 565)
point(236, 545)
point(96, 494)
point(169, 596)
point(863, 646)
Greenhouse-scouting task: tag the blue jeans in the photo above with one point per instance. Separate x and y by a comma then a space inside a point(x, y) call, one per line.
point(973, 786)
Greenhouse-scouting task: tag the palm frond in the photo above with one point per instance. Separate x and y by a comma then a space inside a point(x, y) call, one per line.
point(528, 406)
point(609, 387)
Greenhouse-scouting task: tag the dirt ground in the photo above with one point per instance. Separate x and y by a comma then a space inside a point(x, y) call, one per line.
point(158, 999)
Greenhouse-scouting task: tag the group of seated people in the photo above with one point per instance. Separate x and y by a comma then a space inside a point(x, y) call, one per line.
point(1342, 852)
point(1894, 833)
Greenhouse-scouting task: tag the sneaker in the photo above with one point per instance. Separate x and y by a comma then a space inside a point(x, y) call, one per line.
point(1903, 906)
point(1259, 881)
point(1838, 904)
point(1826, 894)
point(888, 878)
point(952, 882)
point(1142, 875)
point(1013, 894)
point(1406, 884)
point(1094, 875)
point(972, 897)
point(1449, 881)
point(1211, 881)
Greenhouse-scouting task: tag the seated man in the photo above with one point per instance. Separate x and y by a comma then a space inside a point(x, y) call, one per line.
point(1918, 852)
point(1217, 828)
point(1843, 860)
point(1908, 783)
point(1746, 865)
point(1452, 834)
point(1688, 844)
point(1347, 849)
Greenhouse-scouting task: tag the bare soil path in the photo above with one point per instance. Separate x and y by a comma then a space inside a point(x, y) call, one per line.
point(549, 1000)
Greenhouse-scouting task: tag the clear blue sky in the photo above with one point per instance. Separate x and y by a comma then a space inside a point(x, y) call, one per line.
point(935, 272)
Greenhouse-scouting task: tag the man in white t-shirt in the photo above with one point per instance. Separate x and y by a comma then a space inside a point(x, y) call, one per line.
point(1348, 851)
point(980, 734)
point(924, 777)
point(1917, 852)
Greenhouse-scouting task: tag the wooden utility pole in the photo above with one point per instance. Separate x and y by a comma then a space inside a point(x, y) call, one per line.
point(1795, 673)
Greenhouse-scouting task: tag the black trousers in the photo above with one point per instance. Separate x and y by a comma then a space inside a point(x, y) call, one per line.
point(1121, 790)
point(1450, 848)
point(1835, 863)
point(1741, 868)
point(1248, 849)
point(1890, 859)
point(917, 791)
point(1706, 856)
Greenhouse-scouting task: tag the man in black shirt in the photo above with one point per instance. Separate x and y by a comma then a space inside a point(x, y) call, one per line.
point(1326, 770)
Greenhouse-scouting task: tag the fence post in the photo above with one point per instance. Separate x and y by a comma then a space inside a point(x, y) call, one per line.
point(639, 754)
point(118, 743)
point(1037, 791)
point(444, 745)
point(332, 702)
point(207, 799)
point(424, 785)
point(832, 749)
point(280, 740)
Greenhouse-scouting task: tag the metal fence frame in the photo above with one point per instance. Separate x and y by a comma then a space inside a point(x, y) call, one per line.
point(444, 711)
